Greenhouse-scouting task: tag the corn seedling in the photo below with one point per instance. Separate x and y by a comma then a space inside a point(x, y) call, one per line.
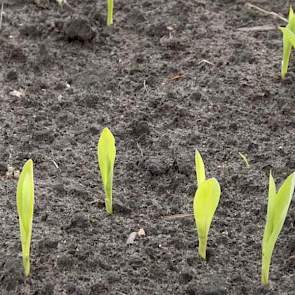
point(61, 2)
point(205, 203)
point(106, 153)
point(288, 42)
point(277, 208)
point(110, 10)
point(1, 14)
point(244, 158)
point(25, 208)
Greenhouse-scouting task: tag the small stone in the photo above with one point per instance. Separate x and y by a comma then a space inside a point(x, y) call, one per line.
point(291, 262)
point(59, 188)
point(47, 289)
point(140, 128)
point(46, 245)
point(65, 262)
point(119, 207)
point(131, 238)
point(12, 274)
point(10, 171)
point(79, 29)
point(3, 168)
point(185, 278)
point(94, 129)
point(12, 75)
point(79, 221)
point(44, 136)
point(217, 291)
point(196, 96)
point(16, 174)
point(31, 31)
point(99, 288)
point(71, 288)
point(44, 216)
point(17, 55)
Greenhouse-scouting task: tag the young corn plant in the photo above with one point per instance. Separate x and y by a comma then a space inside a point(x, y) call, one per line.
point(205, 203)
point(25, 208)
point(106, 153)
point(244, 158)
point(110, 11)
point(277, 208)
point(288, 42)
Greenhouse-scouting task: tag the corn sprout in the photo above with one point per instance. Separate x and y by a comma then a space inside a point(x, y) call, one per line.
point(205, 203)
point(25, 208)
point(277, 208)
point(106, 153)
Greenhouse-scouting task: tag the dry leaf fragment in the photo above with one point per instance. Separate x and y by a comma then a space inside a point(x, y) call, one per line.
point(17, 93)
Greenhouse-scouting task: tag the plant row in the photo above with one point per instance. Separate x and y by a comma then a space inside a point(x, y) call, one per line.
point(204, 204)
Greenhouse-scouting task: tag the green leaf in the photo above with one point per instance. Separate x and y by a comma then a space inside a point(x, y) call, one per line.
point(106, 153)
point(281, 204)
point(110, 11)
point(205, 203)
point(200, 168)
point(278, 205)
point(288, 42)
point(291, 20)
point(289, 36)
point(286, 54)
point(271, 198)
point(25, 210)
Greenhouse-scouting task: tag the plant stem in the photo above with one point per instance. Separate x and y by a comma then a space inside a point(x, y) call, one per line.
point(109, 206)
point(109, 194)
point(265, 268)
point(276, 15)
point(26, 264)
point(202, 247)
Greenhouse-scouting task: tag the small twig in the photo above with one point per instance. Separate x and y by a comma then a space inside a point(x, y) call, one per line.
point(145, 86)
point(55, 164)
point(276, 15)
point(1, 14)
point(140, 149)
point(205, 61)
point(65, 4)
point(177, 216)
point(258, 28)
point(179, 76)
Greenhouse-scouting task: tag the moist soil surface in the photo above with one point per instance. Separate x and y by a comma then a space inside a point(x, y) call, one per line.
point(168, 77)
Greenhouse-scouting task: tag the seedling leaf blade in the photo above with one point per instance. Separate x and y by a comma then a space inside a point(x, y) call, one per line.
point(25, 209)
point(205, 203)
point(200, 168)
point(110, 11)
point(289, 36)
point(287, 42)
point(270, 205)
point(106, 153)
point(276, 214)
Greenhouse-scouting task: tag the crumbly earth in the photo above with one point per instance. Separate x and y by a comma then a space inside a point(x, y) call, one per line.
point(167, 78)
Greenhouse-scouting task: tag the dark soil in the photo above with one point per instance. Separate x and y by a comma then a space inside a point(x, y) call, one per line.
point(168, 77)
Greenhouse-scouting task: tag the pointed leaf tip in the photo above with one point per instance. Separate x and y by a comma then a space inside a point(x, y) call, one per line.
point(200, 168)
